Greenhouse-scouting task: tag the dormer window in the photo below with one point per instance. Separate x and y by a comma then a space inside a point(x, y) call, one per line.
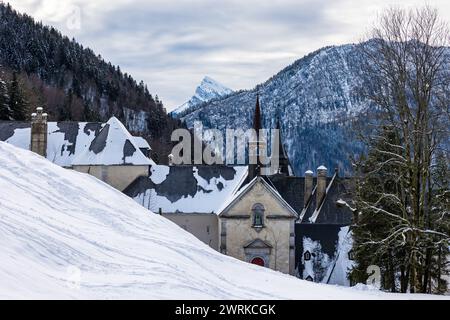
point(351, 255)
point(307, 256)
point(258, 215)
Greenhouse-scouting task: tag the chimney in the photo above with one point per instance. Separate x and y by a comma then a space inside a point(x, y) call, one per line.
point(321, 184)
point(39, 132)
point(308, 186)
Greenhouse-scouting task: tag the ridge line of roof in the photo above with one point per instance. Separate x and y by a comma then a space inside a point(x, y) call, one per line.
point(316, 213)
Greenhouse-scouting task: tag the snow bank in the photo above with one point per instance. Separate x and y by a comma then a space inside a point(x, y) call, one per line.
point(65, 234)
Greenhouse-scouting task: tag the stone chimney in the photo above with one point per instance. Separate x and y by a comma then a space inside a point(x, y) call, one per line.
point(308, 186)
point(321, 184)
point(39, 132)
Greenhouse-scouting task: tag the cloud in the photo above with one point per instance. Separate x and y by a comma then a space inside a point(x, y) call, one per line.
point(172, 44)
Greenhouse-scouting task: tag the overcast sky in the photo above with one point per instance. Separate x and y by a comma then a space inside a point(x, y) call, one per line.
point(172, 45)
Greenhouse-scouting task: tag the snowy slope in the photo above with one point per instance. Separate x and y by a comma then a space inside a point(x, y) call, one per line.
point(207, 90)
point(64, 234)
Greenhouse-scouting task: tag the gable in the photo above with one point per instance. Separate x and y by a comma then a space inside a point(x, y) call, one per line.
point(258, 191)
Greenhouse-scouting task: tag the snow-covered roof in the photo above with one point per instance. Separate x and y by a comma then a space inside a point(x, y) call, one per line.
point(114, 145)
point(141, 143)
point(187, 189)
point(67, 140)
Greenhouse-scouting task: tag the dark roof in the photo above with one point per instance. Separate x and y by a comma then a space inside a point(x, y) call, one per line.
point(187, 188)
point(292, 189)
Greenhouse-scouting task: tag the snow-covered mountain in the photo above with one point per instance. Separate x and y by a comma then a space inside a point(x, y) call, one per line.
point(64, 234)
point(315, 98)
point(207, 90)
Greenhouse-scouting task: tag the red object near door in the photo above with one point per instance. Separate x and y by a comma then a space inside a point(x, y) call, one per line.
point(258, 261)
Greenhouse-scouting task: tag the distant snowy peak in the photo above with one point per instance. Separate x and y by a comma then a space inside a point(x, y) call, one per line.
point(207, 90)
point(210, 89)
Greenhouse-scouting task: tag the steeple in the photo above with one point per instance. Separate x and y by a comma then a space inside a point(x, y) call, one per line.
point(283, 161)
point(255, 146)
point(257, 116)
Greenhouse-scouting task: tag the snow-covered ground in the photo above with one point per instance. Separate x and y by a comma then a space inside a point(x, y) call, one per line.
point(67, 235)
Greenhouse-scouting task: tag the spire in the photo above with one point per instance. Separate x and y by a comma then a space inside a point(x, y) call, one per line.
point(283, 161)
point(255, 169)
point(257, 116)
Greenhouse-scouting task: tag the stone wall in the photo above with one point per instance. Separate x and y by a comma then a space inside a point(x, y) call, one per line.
point(202, 225)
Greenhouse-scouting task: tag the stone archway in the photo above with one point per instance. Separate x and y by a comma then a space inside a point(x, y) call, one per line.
point(258, 261)
point(258, 252)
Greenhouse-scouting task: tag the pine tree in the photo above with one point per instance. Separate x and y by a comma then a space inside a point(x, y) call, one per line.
point(65, 109)
point(5, 112)
point(378, 192)
point(17, 102)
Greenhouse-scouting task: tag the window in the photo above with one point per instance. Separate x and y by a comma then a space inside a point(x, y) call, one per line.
point(351, 255)
point(258, 215)
point(207, 229)
point(309, 278)
point(307, 256)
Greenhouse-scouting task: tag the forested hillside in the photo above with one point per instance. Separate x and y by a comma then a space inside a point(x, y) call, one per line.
point(72, 82)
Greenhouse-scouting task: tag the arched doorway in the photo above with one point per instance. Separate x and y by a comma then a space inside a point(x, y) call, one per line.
point(258, 261)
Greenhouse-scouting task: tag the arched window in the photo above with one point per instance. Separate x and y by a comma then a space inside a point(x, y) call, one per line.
point(258, 215)
point(258, 261)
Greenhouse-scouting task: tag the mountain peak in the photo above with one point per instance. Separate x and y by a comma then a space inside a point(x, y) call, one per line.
point(207, 90)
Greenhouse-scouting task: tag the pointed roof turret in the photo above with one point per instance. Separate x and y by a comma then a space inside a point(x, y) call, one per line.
point(257, 116)
point(283, 160)
point(255, 169)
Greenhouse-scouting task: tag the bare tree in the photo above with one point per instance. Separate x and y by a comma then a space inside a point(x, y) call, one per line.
point(407, 63)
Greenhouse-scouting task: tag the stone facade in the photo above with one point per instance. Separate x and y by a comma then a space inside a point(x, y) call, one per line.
point(117, 176)
point(243, 236)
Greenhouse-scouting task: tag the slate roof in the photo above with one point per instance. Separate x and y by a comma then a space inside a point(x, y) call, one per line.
point(186, 188)
point(66, 140)
point(331, 212)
